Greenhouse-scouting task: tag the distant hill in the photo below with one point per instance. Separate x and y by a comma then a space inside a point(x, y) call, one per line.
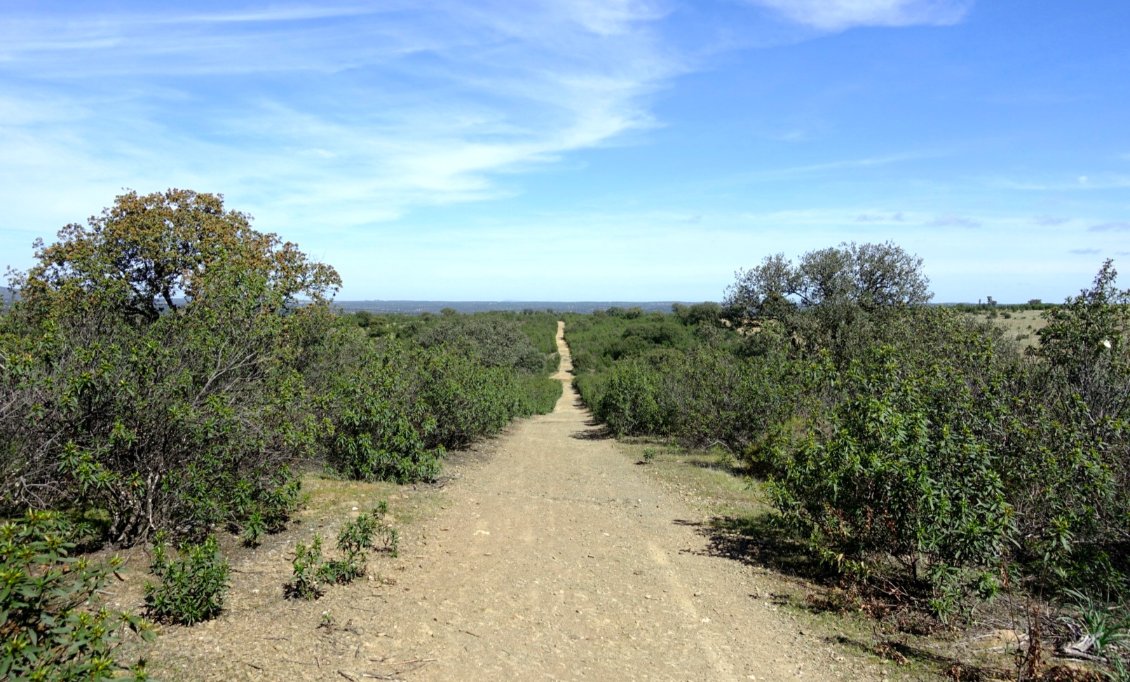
point(417, 307)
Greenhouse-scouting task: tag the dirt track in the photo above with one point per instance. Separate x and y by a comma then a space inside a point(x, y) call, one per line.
point(555, 558)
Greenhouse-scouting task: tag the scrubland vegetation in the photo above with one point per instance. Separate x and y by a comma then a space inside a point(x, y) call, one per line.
point(165, 368)
point(914, 450)
point(167, 373)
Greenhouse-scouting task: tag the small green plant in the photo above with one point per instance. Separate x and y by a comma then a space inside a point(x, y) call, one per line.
point(648, 455)
point(265, 511)
point(191, 587)
point(1099, 626)
point(306, 583)
point(253, 529)
point(353, 540)
point(392, 540)
point(51, 627)
point(344, 570)
point(1118, 671)
point(311, 570)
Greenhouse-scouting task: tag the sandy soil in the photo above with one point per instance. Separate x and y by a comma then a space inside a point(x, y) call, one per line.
point(552, 557)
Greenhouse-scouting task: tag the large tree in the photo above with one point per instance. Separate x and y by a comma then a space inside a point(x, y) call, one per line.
point(150, 367)
point(154, 252)
point(870, 276)
point(834, 297)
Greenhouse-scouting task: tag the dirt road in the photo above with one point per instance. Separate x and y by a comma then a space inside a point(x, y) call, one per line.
point(555, 558)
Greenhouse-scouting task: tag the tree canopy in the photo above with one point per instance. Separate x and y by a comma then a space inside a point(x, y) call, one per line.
point(153, 252)
point(868, 276)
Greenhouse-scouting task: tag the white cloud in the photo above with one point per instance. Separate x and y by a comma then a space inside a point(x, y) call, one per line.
point(308, 116)
point(953, 220)
point(838, 15)
point(830, 167)
point(613, 17)
point(1080, 183)
point(880, 217)
point(1116, 226)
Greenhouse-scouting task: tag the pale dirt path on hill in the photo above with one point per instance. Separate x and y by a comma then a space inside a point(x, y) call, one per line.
point(555, 558)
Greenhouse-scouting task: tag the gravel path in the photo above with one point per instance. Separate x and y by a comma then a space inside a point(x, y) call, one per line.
point(555, 558)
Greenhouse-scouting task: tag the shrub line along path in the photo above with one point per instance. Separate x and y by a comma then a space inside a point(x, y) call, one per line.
point(555, 558)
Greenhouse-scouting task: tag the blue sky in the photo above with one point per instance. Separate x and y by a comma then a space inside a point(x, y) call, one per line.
point(589, 149)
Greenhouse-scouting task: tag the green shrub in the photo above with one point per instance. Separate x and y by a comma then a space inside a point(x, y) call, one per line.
point(901, 474)
point(354, 538)
point(151, 366)
point(630, 401)
point(307, 564)
point(467, 400)
point(52, 626)
point(537, 394)
point(896, 434)
point(265, 510)
point(489, 340)
point(377, 429)
point(389, 411)
point(718, 398)
point(192, 586)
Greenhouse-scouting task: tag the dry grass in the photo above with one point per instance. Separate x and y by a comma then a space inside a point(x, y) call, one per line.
point(1018, 325)
point(256, 596)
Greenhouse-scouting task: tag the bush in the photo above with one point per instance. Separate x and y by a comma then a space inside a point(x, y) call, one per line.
point(265, 509)
point(377, 428)
point(467, 400)
point(631, 402)
point(539, 394)
point(490, 340)
point(739, 403)
point(902, 472)
point(944, 449)
point(150, 366)
point(354, 538)
point(52, 626)
point(1069, 437)
point(389, 411)
point(897, 435)
point(307, 564)
point(192, 587)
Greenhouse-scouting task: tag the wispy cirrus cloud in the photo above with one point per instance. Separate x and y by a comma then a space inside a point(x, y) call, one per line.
point(1080, 183)
point(833, 167)
point(863, 162)
point(896, 217)
point(312, 116)
point(838, 15)
point(1115, 226)
point(953, 220)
